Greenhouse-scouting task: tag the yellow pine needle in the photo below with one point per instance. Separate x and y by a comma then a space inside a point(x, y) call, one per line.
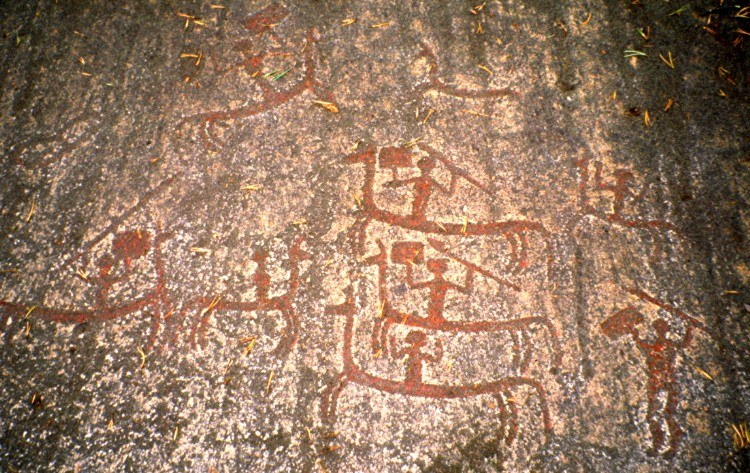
point(348, 21)
point(411, 143)
point(741, 436)
point(249, 347)
point(485, 68)
point(143, 357)
point(213, 303)
point(33, 209)
point(268, 386)
point(703, 373)
point(669, 62)
point(331, 107)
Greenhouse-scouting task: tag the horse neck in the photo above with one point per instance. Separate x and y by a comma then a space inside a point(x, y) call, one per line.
point(294, 278)
point(368, 186)
point(294, 272)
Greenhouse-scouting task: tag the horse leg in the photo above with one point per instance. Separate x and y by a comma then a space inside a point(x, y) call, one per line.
point(523, 262)
point(512, 409)
point(527, 351)
point(155, 326)
point(517, 361)
point(210, 141)
point(330, 399)
point(376, 335)
point(513, 261)
point(546, 420)
point(288, 335)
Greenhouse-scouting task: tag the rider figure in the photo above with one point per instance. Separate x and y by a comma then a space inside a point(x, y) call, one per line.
point(438, 287)
point(621, 189)
point(423, 186)
point(126, 247)
point(261, 278)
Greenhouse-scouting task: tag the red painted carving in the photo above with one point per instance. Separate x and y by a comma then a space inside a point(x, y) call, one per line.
point(426, 266)
point(620, 187)
point(272, 95)
point(410, 255)
point(516, 232)
point(114, 267)
point(661, 359)
point(204, 307)
point(118, 222)
point(413, 385)
point(265, 19)
point(434, 82)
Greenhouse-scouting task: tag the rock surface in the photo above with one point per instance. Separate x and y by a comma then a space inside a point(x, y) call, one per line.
point(374, 236)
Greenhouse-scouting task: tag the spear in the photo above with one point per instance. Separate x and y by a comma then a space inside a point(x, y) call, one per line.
point(440, 246)
point(452, 167)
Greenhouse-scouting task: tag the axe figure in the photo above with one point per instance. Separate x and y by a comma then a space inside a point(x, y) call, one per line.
point(661, 359)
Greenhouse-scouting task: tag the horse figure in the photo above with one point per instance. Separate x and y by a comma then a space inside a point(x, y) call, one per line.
point(113, 268)
point(205, 307)
point(413, 385)
point(515, 232)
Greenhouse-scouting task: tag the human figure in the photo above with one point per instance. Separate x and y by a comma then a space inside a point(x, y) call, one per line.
point(438, 287)
point(661, 359)
point(416, 339)
point(261, 278)
point(126, 247)
point(424, 185)
point(257, 25)
point(621, 189)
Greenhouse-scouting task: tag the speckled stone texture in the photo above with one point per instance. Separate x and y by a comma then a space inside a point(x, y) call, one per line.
point(384, 236)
